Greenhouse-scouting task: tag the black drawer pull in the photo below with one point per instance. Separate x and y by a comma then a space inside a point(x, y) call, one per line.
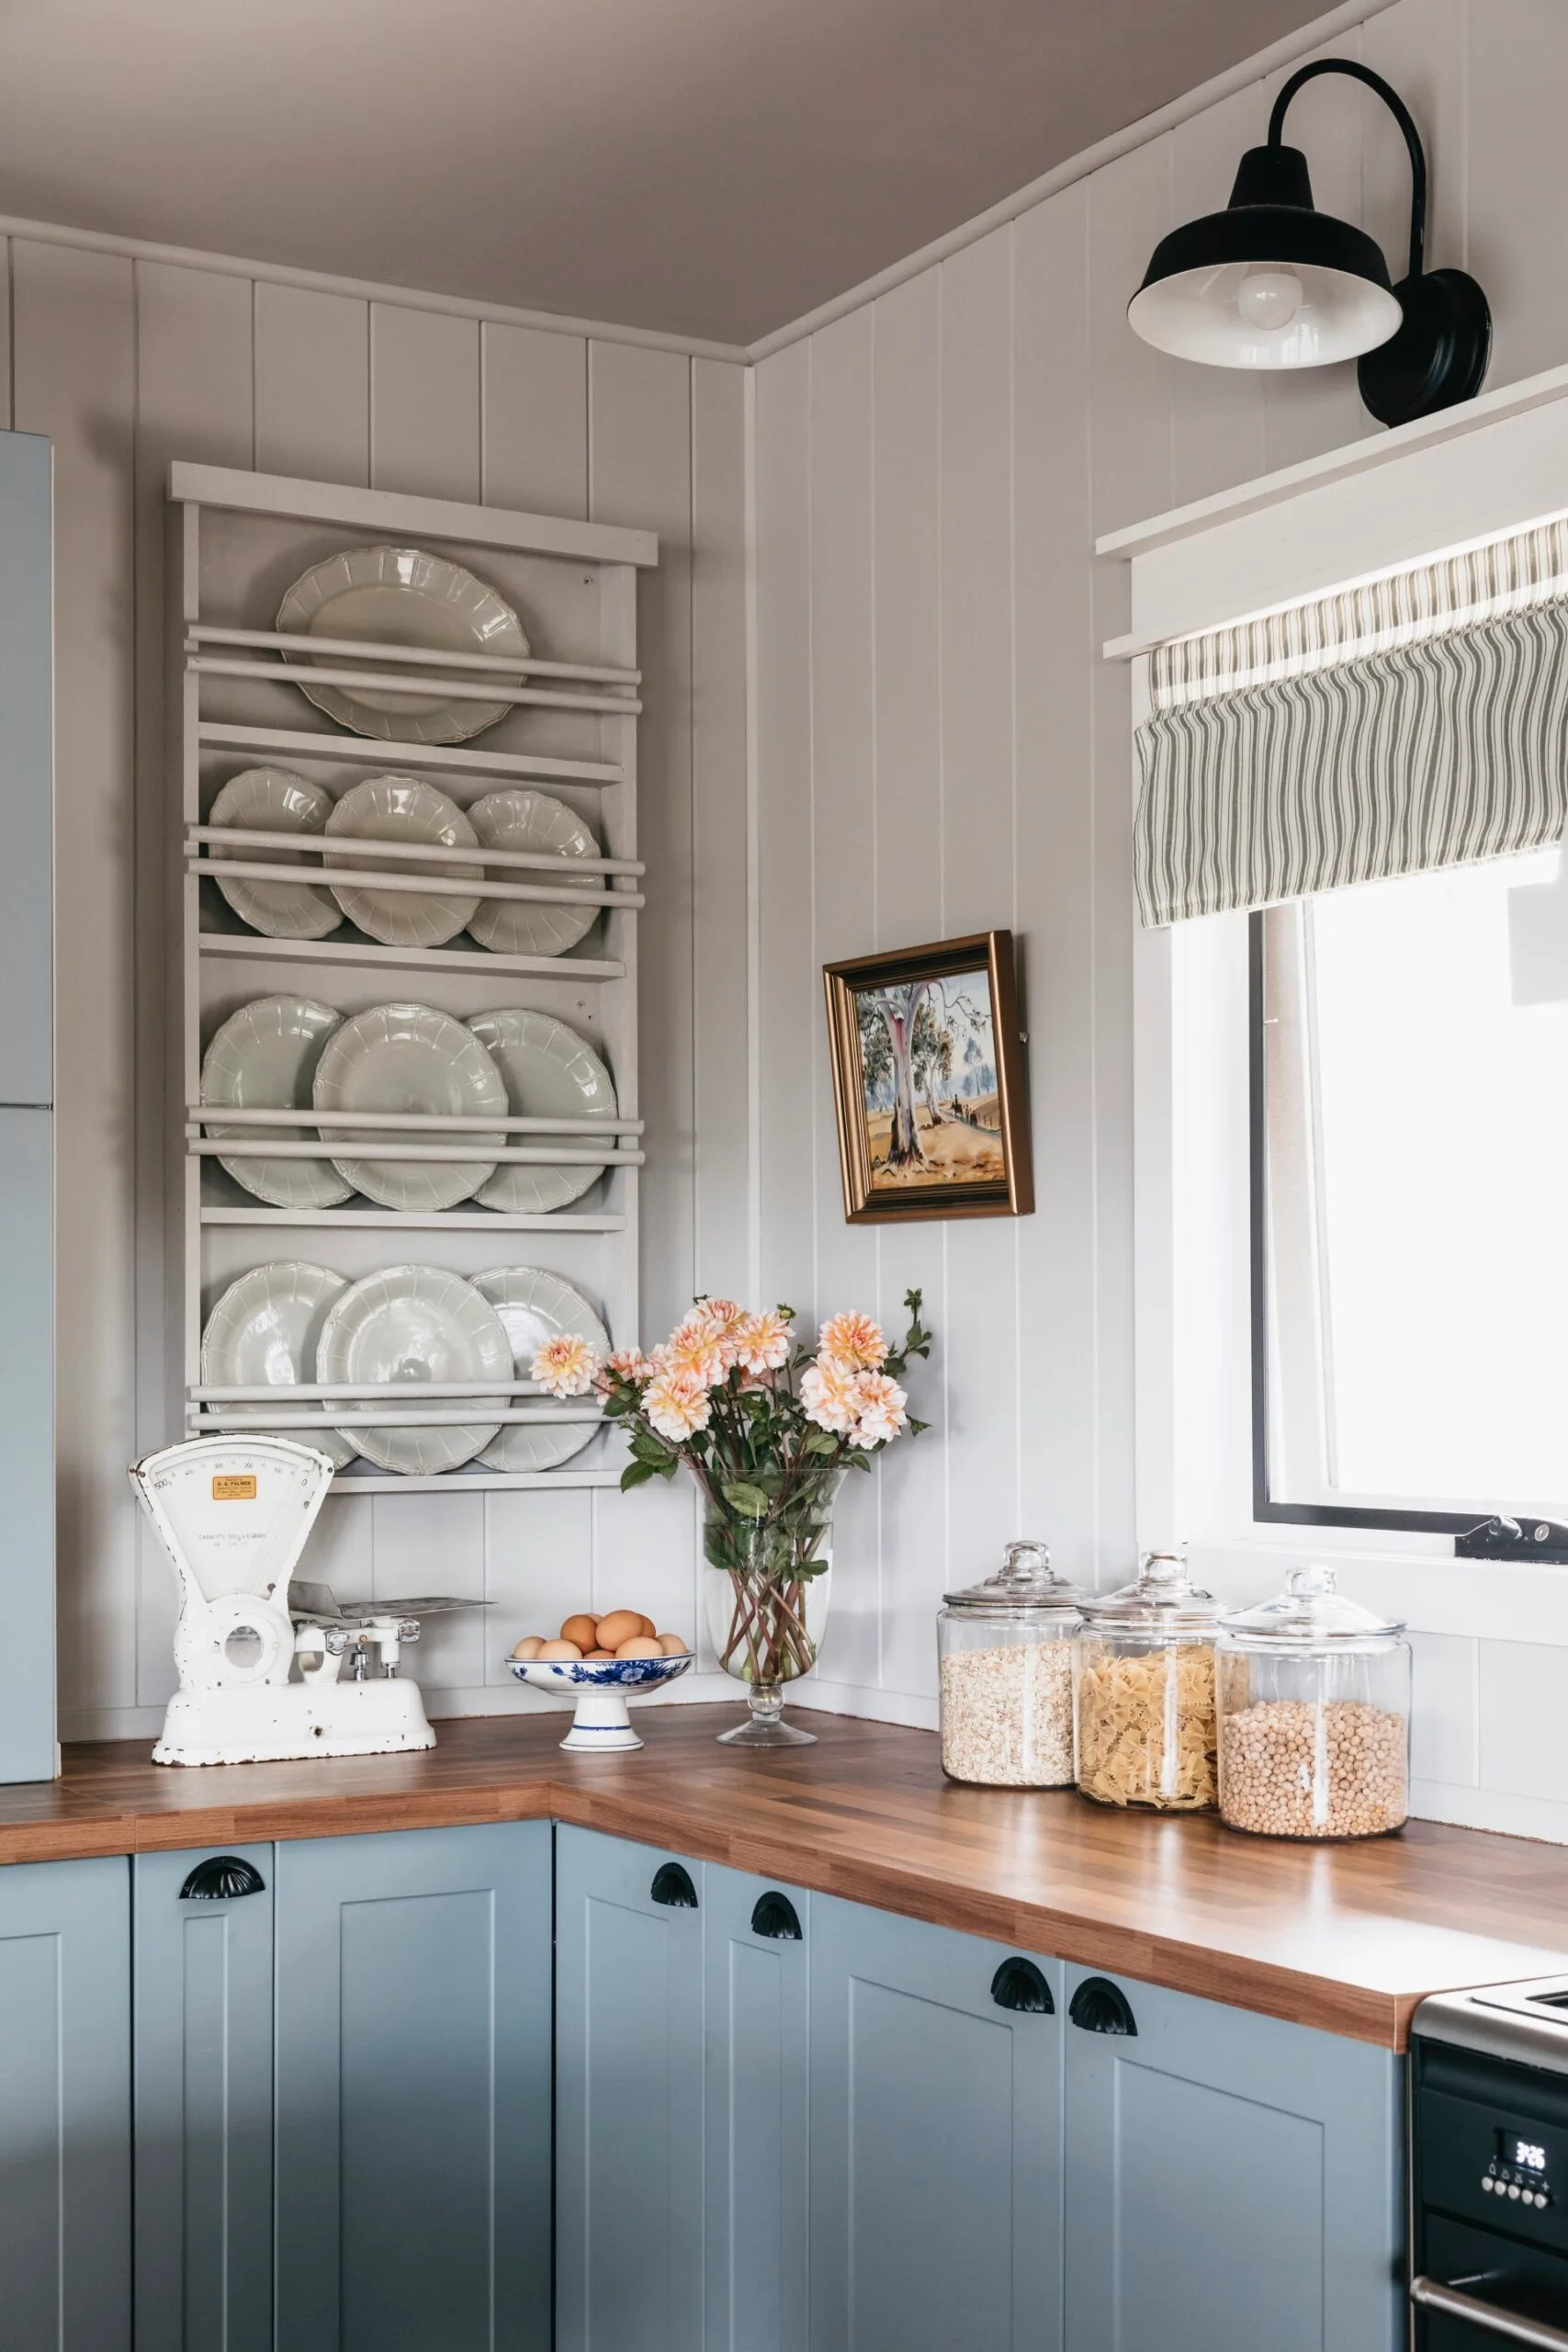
point(220, 1878)
point(1018, 1985)
point(672, 1886)
point(775, 1916)
point(1486, 2319)
point(1101, 2006)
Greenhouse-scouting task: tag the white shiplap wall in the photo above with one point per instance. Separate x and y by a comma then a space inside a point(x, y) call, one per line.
point(124, 361)
point(941, 749)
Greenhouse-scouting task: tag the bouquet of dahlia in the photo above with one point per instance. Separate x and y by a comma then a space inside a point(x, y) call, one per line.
point(768, 1428)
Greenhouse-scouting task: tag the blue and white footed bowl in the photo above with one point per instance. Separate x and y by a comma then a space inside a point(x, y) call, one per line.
point(602, 1724)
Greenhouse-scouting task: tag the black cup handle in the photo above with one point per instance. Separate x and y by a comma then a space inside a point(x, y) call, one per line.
point(220, 1878)
point(775, 1916)
point(1018, 1985)
point(672, 1887)
point(1099, 2007)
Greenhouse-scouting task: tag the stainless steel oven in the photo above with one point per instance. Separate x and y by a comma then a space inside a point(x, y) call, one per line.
point(1489, 2168)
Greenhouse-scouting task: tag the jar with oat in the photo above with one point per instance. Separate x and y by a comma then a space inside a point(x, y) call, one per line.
point(1145, 1692)
point(1005, 1657)
point(1314, 1715)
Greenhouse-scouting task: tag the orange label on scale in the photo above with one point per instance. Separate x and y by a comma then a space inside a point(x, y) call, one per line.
point(235, 1489)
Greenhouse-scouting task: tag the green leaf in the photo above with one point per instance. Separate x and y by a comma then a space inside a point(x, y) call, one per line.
point(650, 1449)
point(820, 1442)
point(749, 1502)
point(636, 1474)
point(860, 1459)
point(916, 1427)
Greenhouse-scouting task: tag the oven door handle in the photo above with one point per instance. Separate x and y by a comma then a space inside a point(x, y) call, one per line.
point(1431, 2295)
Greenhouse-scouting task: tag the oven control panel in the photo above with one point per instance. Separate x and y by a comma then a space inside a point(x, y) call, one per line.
point(1519, 2171)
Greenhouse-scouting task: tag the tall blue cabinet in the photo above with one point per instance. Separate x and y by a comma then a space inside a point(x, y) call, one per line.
point(28, 1750)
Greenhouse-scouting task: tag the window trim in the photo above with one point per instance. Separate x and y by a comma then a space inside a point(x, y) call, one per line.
point(1403, 1519)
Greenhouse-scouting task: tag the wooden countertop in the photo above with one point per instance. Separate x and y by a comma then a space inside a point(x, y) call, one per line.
point(1346, 1938)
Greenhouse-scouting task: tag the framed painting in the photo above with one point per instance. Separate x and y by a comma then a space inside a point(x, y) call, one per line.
point(928, 1082)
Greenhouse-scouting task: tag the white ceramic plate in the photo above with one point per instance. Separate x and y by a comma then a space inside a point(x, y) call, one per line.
point(403, 808)
point(265, 1058)
point(536, 1307)
point(550, 1073)
point(264, 1330)
point(413, 1323)
point(532, 821)
point(273, 800)
point(410, 1057)
point(400, 596)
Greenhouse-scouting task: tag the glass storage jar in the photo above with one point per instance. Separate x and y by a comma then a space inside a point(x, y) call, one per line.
point(1314, 1715)
point(1005, 1654)
point(1145, 1692)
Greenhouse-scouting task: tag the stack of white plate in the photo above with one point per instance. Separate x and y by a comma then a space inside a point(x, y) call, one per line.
point(290, 1324)
point(293, 1053)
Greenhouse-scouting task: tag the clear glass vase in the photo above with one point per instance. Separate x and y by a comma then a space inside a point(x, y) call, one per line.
point(766, 1584)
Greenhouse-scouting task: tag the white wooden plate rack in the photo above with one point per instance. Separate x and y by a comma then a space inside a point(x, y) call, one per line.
point(239, 541)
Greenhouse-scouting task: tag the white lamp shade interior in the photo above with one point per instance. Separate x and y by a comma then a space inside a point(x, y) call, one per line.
point(1221, 315)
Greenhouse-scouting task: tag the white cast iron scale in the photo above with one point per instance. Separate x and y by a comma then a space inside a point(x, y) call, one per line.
point(233, 1514)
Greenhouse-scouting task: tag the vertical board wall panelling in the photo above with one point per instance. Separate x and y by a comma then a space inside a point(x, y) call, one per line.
point(639, 449)
point(907, 784)
point(721, 1110)
point(194, 400)
point(843, 896)
point(534, 420)
point(312, 384)
point(978, 849)
point(1516, 69)
point(425, 403)
point(75, 380)
point(1129, 474)
point(791, 1138)
point(1055, 913)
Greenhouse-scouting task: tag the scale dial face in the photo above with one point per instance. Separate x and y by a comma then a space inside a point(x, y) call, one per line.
point(227, 1643)
point(234, 1513)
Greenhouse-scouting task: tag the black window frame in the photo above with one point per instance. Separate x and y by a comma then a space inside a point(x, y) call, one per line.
point(1408, 1519)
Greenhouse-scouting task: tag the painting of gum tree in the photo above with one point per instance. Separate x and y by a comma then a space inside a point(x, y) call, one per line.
point(926, 1076)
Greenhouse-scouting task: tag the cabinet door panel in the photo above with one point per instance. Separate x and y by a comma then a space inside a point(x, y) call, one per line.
point(65, 2107)
point(414, 2091)
point(756, 2087)
point(1231, 2181)
point(935, 2143)
point(629, 2101)
point(26, 1445)
point(203, 2048)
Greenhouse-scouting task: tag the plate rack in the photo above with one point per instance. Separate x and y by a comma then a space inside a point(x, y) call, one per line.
point(238, 542)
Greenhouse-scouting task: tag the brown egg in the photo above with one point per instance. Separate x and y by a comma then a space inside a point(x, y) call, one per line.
point(596, 1656)
point(530, 1645)
point(620, 1625)
point(640, 1646)
point(581, 1629)
point(671, 1645)
point(651, 1629)
point(552, 1651)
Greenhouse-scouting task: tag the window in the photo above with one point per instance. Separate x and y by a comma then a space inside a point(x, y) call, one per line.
point(1410, 1198)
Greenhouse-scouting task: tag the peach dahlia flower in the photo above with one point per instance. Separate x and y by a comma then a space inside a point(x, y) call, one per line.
point(854, 1341)
point(565, 1366)
point(677, 1404)
point(828, 1395)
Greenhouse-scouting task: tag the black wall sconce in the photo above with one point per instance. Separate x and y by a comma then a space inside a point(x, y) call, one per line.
point(1271, 282)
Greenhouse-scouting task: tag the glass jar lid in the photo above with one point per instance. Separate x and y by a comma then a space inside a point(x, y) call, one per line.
point(1310, 1612)
point(1162, 1598)
point(1023, 1584)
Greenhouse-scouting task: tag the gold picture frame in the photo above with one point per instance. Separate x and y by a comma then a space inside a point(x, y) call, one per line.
point(928, 1082)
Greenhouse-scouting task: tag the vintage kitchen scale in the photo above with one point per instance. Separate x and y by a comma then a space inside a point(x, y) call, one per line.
point(233, 1514)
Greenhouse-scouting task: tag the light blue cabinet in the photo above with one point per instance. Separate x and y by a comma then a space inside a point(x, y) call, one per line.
point(756, 1941)
point(202, 1943)
point(629, 1991)
point(413, 2134)
point(936, 2155)
point(1231, 2182)
point(26, 1448)
point(27, 788)
point(65, 2107)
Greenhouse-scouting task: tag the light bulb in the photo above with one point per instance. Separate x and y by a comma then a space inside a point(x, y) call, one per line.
point(1269, 298)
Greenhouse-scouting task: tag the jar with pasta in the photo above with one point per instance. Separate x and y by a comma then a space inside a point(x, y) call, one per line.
point(1145, 1692)
point(1005, 1658)
point(1314, 1715)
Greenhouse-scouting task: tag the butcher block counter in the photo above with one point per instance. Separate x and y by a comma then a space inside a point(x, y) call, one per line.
point(1348, 1939)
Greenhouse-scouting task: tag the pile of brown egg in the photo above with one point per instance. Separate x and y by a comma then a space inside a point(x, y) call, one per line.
point(623, 1633)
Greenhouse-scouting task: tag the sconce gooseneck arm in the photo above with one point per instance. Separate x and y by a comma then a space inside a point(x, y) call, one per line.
point(1400, 114)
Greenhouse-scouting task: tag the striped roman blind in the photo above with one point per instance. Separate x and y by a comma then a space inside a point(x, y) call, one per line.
point(1419, 720)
